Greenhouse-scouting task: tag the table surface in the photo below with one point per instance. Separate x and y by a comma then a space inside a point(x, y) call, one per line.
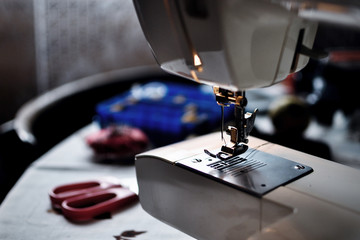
point(26, 212)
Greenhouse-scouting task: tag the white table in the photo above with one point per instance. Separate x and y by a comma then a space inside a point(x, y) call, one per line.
point(26, 212)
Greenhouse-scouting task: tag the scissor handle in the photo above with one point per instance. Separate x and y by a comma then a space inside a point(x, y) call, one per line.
point(60, 193)
point(87, 206)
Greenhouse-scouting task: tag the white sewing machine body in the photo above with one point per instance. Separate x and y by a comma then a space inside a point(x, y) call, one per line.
point(235, 45)
point(323, 204)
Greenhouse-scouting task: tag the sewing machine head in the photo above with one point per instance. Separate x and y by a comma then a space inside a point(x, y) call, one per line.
point(231, 45)
point(235, 45)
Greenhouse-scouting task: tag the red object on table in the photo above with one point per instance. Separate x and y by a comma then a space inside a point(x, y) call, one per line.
point(83, 201)
point(118, 142)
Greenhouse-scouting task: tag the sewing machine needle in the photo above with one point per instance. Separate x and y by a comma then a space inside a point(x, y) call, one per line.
point(222, 124)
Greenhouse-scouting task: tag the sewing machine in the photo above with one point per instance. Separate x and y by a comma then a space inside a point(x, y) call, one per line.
point(246, 189)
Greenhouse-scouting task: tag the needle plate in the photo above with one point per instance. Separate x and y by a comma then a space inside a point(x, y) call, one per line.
point(254, 171)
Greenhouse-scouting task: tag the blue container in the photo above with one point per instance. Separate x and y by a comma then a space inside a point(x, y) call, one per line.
point(166, 111)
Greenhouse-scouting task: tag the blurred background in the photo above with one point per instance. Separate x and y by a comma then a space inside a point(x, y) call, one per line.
point(46, 43)
point(66, 48)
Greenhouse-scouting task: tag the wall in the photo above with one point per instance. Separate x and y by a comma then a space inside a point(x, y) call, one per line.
point(46, 43)
point(17, 54)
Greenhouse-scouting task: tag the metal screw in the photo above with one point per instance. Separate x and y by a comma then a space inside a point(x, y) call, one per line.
point(299, 167)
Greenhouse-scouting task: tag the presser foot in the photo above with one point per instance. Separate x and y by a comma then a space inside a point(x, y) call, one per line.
point(235, 150)
point(228, 152)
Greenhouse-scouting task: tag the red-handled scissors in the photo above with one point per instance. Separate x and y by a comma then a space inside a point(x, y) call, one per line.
point(85, 200)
